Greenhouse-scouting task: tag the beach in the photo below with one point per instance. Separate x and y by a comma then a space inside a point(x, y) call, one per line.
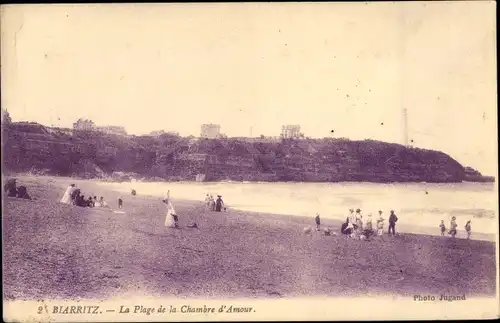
point(60, 251)
point(420, 206)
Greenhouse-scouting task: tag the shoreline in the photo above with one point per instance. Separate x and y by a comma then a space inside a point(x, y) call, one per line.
point(405, 229)
point(54, 250)
point(482, 180)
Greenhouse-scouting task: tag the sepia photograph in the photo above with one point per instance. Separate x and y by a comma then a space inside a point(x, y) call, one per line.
point(249, 161)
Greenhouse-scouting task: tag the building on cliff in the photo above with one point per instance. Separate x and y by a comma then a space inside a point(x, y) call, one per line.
point(210, 131)
point(290, 131)
point(6, 117)
point(89, 125)
point(84, 124)
point(112, 130)
point(158, 133)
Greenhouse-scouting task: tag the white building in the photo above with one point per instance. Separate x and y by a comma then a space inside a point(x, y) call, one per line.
point(113, 130)
point(158, 133)
point(84, 124)
point(290, 131)
point(210, 131)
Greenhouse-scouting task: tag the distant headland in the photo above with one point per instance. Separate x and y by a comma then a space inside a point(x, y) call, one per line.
point(167, 156)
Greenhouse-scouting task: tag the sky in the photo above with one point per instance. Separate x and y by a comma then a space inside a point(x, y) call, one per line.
point(348, 67)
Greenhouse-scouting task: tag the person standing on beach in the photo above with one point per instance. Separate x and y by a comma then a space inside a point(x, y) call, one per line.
point(171, 218)
point(120, 203)
point(380, 224)
point(468, 229)
point(443, 228)
point(66, 199)
point(318, 222)
point(351, 217)
point(368, 226)
point(358, 226)
point(207, 202)
point(453, 227)
point(212, 203)
point(354, 217)
point(392, 223)
point(219, 204)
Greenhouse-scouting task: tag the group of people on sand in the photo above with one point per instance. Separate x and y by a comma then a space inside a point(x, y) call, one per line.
point(214, 205)
point(172, 218)
point(358, 227)
point(74, 196)
point(11, 189)
point(453, 228)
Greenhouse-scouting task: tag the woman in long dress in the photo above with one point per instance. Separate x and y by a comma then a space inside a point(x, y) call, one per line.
point(171, 218)
point(212, 203)
point(219, 204)
point(66, 199)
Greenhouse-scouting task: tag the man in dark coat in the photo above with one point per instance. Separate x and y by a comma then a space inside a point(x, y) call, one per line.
point(318, 222)
point(392, 223)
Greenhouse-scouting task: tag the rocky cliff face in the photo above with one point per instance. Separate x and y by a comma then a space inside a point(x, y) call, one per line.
point(62, 152)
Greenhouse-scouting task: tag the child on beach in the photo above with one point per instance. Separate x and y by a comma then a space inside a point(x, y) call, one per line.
point(380, 224)
point(443, 228)
point(468, 229)
point(318, 222)
point(453, 226)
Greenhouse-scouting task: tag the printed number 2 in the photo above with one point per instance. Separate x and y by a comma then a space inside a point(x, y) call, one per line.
point(40, 309)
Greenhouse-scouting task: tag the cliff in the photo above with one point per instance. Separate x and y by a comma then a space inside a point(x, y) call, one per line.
point(473, 175)
point(29, 146)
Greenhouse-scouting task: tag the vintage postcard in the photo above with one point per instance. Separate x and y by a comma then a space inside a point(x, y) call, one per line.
point(249, 161)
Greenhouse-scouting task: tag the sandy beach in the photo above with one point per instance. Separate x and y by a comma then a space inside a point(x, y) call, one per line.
point(55, 251)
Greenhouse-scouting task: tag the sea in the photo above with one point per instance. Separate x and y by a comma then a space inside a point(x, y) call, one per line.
point(420, 206)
